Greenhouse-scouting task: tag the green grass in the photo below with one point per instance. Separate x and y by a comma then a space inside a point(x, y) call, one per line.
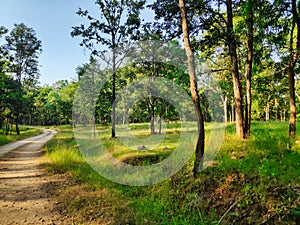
point(252, 181)
point(26, 132)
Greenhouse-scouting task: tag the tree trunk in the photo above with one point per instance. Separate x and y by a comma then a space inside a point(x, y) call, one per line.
point(267, 112)
point(294, 54)
point(113, 115)
point(124, 118)
point(159, 125)
point(152, 127)
point(1, 123)
point(17, 126)
point(7, 127)
point(237, 87)
point(232, 112)
point(152, 116)
point(292, 126)
point(93, 105)
point(198, 164)
point(249, 68)
point(277, 110)
point(225, 107)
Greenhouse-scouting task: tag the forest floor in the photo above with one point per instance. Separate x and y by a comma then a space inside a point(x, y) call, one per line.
point(27, 196)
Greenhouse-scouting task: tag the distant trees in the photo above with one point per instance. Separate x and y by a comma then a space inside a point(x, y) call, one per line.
point(21, 100)
point(21, 52)
point(53, 104)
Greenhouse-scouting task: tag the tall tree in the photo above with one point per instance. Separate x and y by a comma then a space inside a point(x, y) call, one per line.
point(237, 87)
point(119, 21)
point(249, 64)
point(293, 58)
point(23, 47)
point(3, 77)
point(198, 164)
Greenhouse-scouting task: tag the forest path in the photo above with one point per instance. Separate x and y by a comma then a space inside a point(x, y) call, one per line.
point(27, 194)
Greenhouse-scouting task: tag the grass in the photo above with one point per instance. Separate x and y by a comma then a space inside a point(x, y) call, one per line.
point(254, 181)
point(25, 132)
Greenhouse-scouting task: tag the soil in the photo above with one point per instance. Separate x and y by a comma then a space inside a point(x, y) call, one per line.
point(28, 195)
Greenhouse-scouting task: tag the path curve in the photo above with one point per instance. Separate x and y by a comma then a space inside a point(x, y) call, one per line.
point(27, 195)
point(42, 137)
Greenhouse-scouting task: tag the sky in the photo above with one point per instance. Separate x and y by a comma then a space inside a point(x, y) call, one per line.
point(52, 21)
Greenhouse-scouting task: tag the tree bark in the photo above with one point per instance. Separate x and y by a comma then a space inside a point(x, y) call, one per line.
point(151, 106)
point(267, 112)
point(113, 115)
point(277, 110)
point(93, 104)
point(225, 106)
point(249, 68)
point(294, 55)
point(159, 125)
point(152, 125)
point(198, 164)
point(17, 126)
point(292, 126)
point(7, 127)
point(232, 112)
point(237, 87)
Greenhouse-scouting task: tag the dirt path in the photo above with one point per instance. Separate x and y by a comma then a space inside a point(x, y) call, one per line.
point(27, 196)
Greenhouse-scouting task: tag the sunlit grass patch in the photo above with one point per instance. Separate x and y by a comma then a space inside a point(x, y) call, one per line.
point(25, 132)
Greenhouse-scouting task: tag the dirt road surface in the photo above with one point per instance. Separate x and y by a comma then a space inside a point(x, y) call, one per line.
point(27, 196)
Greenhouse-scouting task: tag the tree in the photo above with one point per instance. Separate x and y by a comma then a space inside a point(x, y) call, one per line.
point(249, 64)
point(208, 16)
point(288, 43)
point(23, 49)
point(237, 87)
point(198, 164)
point(119, 20)
point(293, 58)
point(3, 77)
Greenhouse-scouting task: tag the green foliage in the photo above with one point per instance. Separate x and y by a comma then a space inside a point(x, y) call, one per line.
point(53, 104)
point(119, 20)
point(24, 49)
